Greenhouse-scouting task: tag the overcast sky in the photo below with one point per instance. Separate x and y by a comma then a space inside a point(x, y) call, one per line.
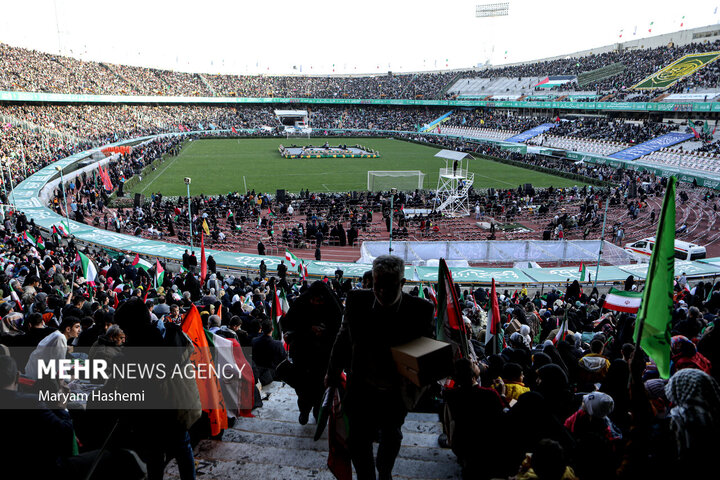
point(321, 36)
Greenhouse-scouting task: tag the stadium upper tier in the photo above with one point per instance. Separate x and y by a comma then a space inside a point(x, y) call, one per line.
point(606, 76)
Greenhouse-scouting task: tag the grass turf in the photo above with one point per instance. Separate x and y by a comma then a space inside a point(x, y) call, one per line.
point(217, 167)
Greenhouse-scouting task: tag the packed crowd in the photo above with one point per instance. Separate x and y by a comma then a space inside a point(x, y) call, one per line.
point(612, 130)
point(29, 70)
point(638, 64)
point(563, 390)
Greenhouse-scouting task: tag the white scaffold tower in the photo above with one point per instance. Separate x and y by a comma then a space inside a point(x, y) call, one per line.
point(454, 183)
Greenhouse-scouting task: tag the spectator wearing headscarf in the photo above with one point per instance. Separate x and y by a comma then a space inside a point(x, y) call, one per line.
point(684, 354)
point(694, 419)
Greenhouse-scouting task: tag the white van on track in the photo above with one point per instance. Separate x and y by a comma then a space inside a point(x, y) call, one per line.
point(642, 249)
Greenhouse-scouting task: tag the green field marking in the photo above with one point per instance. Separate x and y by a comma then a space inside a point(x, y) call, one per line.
point(217, 166)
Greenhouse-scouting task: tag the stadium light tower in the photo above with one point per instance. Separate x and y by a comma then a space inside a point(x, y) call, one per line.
point(187, 182)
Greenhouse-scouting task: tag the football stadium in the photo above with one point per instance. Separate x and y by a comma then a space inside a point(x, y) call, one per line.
point(496, 257)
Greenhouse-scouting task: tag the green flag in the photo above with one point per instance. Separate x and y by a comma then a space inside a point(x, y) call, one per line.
point(652, 328)
point(421, 292)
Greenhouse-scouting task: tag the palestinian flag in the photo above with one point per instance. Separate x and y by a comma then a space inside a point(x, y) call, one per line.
point(555, 80)
point(583, 272)
point(291, 258)
point(88, 268)
point(159, 273)
point(140, 263)
point(38, 243)
point(450, 325)
point(270, 212)
point(622, 301)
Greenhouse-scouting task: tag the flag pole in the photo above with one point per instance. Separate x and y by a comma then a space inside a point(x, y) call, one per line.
point(62, 185)
point(602, 240)
point(12, 187)
point(660, 275)
point(187, 182)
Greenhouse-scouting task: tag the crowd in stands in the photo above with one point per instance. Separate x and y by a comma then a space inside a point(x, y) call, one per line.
point(638, 63)
point(612, 130)
point(585, 404)
point(29, 70)
point(590, 397)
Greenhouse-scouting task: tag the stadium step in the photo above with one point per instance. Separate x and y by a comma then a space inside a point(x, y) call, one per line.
point(273, 445)
point(207, 84)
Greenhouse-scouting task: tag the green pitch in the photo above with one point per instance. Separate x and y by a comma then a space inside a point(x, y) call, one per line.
point(218, 167)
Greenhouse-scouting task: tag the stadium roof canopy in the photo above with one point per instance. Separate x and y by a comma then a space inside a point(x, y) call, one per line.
point(451, 155)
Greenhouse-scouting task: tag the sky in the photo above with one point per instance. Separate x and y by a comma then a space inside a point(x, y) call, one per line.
point(325, 37)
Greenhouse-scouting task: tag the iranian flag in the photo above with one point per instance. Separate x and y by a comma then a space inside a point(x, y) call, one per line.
point(583, 272)
point(622, 301)
point(563, 331)
point(88, 268)
point(280, 307)
point(140, 263)
point(63, 229)
point(248, 300)
point(433, 295)
point(291, 258)
point(159, 273)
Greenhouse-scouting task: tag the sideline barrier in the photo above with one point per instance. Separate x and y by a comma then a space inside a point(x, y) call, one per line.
point(27, 199)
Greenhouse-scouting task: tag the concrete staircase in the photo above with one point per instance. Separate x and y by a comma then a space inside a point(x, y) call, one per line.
point(274, 446)
point(207, 84)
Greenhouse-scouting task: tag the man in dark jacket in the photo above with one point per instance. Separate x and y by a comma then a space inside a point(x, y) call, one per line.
point(377, 397)
point(267, 353)
point(310, 328)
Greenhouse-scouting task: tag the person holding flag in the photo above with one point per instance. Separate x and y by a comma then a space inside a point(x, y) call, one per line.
point(450, 325)
point(652, 327)
point(310, 327)
point(377, 397)
point(159, 276)
point(494, 331)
